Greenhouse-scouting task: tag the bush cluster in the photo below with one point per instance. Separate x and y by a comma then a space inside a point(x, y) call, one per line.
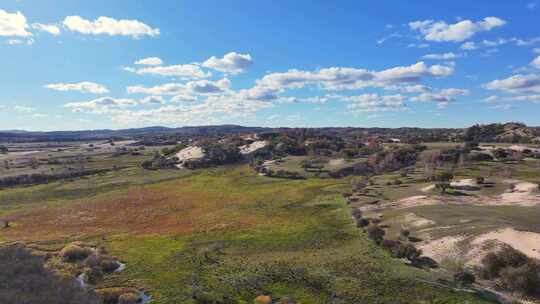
point(516, 271)
point(25, 279)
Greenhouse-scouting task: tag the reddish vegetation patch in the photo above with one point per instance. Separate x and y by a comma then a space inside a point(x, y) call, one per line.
point(171, 208)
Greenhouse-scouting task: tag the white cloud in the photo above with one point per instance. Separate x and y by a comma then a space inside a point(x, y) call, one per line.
point(188, 71)
point(529, 98)
point(199, 87)
point(418, 45)
point(40, 115)
point(460, 31)
point(445, 56)
point(13, 25)
point(338, 78)
point(516, 84)
point(164, 89)
point(149, 61)
point(109, 26)
point(413, 73)
point(181, 98)
point(375, 102)
point(85, 87)
point(491, 99)
point(52, 29)
point(232, 63)
point(536, 62)
point(193, 113)
point(442, 98)
point(153, 100)
point(24, 109)
point(469, 46)
point(386, 38)
point(536, 50)
point(104, 105)
point(418, 88)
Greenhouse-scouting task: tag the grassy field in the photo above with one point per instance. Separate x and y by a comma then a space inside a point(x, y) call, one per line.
point(328, 164)
point(222, 235)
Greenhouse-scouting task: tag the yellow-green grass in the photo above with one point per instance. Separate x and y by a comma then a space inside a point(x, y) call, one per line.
point(282, 237)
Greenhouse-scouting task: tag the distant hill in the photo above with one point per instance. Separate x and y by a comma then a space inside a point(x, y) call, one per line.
point(33, 136)
point(498, 132)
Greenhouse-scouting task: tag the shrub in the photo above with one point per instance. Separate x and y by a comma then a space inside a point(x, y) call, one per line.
point(25, 279)
point(362, 222)
point(408, 251)
point(494, 262)
point(391, 246)
point(376, 233)
point(524, 279)
point(72, 253)
point(442, 186)
point(464, 278)
point(93, 275)
point(357, 213)
point(405, 233)
point(109, 264)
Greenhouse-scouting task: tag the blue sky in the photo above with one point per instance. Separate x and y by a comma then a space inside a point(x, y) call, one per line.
point(119, 64)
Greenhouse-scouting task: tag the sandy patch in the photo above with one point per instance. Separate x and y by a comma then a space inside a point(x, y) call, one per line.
point(408, 202)
point(336, 162)
point(524, 241)
point(469, 182)
point(522, 148)
point(523, 193)
point(417, 221)
point(192, 152)
point(443, 248)
point(256, 145)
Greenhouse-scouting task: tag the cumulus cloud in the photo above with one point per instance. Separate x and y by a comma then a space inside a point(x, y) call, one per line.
point(472, 45)
point(445, 56)
point(153, 100)
point(418, 88)
point(232, 63)
point(109, 26)
point(339, 78)
point(375, 102)
point(13, 25)
point(536, 62)
point(187, 71)
point(442, 98)
point(52, 29)
point(441, 31)
point(491, 99)
point(149, 61)
point(516, 84)
point(85, 87)
point(193, 113)
point(104, 105)
point(200, 87)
